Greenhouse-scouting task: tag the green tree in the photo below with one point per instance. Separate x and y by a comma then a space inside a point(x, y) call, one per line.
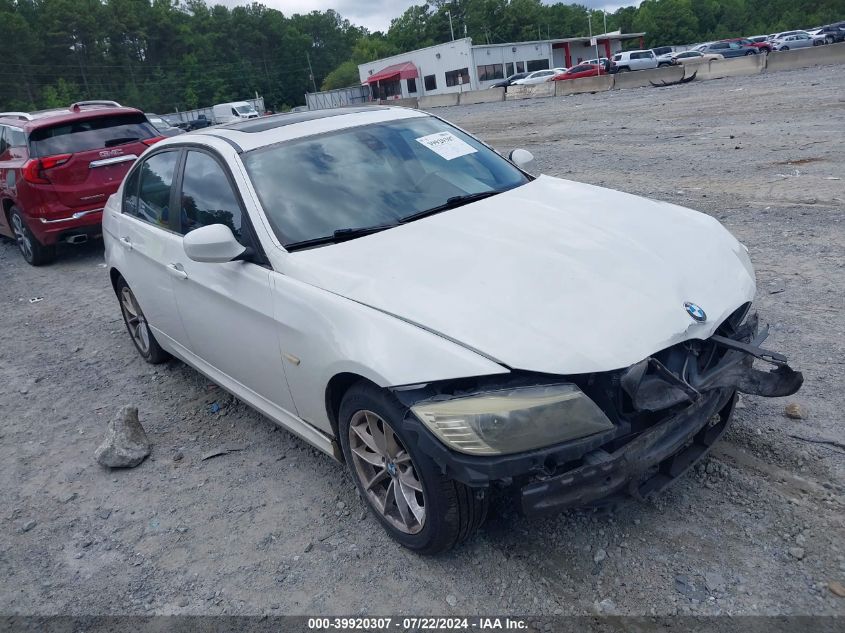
point(341, 77)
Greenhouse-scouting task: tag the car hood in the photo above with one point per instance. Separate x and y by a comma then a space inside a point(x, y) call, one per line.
point(554, 276)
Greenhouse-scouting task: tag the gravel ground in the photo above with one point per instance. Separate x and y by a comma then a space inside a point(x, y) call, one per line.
point(277, 527)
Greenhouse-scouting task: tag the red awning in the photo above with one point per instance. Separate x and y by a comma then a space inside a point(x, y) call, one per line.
point(405, 70)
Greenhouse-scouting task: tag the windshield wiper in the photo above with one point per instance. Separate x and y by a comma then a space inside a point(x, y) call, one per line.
point(451, 203)
point(340, 235)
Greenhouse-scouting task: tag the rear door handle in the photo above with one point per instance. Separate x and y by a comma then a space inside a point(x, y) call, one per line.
point(177, 271)
point(126, 243)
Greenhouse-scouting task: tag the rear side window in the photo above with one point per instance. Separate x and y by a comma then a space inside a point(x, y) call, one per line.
point(10, 137)
point(150, 199)
point(14, 137)
point(88, 134)
point(208, 197)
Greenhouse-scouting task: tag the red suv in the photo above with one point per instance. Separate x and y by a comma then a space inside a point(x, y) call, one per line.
point(58, 168)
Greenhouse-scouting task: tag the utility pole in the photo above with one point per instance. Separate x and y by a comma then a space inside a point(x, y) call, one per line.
point(311, 71)
point(594, 41)
point(451, 30)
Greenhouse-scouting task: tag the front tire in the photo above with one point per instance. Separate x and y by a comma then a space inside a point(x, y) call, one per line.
point(34, 252)
point(137, 326)
point(417, 505)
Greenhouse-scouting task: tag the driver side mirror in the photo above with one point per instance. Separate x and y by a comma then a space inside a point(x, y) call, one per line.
point(213, 244)
point(521, 158)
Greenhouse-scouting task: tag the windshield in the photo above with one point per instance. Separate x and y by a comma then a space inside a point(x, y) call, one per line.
point(247, 109)
point(372, 176)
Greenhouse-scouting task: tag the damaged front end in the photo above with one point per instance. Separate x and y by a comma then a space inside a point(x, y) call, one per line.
point(724, 361)
point(662, 414)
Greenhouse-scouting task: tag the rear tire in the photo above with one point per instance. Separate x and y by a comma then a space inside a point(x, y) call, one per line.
point(137, 326)
point(450, 512)
point(750, 53)
point(34, 252)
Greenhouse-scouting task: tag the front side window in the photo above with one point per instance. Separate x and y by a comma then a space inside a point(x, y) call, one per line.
point(207, 196)
point(149, 199)
point(377, 175)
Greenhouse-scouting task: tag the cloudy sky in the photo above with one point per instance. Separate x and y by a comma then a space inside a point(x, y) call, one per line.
point(376, 14)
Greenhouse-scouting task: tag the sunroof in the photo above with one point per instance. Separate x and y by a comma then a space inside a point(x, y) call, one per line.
point(273, 121)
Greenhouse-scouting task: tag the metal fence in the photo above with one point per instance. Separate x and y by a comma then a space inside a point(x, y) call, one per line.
point(337, 98)
point(191, 115)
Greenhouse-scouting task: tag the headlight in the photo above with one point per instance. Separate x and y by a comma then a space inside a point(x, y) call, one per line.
point(513, 420)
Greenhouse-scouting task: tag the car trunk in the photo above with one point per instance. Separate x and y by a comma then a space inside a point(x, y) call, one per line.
point(85, 160)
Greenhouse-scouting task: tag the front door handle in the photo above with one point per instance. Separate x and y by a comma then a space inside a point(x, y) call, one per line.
point(126, 243)
point(177, 271)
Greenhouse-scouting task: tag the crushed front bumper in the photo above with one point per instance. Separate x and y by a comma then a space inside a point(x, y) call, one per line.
point(644, 466)
point(667, 411)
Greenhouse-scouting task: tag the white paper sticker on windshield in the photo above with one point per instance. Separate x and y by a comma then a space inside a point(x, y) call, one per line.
point(447, 145)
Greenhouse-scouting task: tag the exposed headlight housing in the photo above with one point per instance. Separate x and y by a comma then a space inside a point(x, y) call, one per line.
point(513, 420)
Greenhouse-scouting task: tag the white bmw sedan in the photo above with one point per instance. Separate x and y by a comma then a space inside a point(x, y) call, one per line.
point(412, 303)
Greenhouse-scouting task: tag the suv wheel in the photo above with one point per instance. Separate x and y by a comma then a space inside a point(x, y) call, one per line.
point(137, 326)
point(623, 69)
point(33, 251)
point(417, 505)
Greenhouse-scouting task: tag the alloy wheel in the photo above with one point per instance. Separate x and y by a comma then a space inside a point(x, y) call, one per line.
point(386, 472)
point(135, 320)
point(22, 237)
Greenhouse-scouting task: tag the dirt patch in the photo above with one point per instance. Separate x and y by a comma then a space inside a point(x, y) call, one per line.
point(799, 161)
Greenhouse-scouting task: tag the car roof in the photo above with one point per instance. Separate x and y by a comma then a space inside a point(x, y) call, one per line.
point(247, 135)
point(74, 112)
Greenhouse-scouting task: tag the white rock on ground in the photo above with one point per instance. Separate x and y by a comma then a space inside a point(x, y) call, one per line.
point(126, 444)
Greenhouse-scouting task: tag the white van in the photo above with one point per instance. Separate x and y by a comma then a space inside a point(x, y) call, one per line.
point(233, 111)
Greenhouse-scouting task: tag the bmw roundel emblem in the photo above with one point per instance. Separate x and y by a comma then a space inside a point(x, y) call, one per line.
point(695, 311)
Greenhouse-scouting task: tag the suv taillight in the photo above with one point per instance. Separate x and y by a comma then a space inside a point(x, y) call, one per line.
point(34, 168)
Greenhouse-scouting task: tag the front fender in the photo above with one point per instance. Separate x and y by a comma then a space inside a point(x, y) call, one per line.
point(322, 334)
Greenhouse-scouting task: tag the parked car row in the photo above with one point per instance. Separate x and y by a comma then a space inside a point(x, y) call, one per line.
point(661, 56)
